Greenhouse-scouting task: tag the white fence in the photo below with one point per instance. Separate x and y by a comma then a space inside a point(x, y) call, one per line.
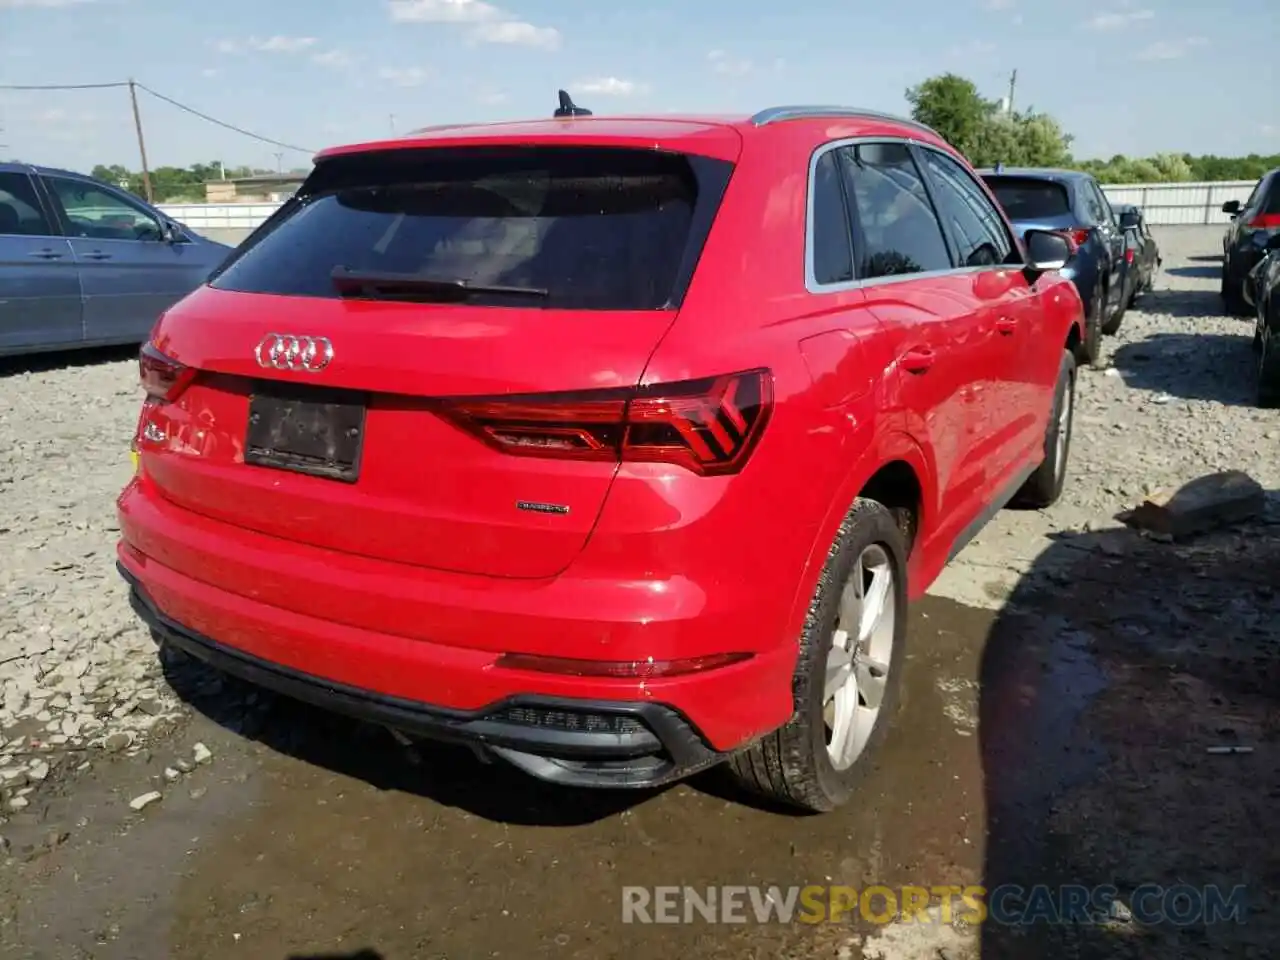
point(1181, 204)
point(1163, 204)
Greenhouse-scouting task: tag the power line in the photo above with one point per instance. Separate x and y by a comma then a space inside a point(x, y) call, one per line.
point(158, 96)
point(63, 86)
point(205, 116)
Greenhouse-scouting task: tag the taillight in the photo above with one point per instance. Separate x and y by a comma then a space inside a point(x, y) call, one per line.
point(1265, 221)
point(708, 426)
point(646, 669)
point(163, 378)
point(1079, 236)
point(1128, 256)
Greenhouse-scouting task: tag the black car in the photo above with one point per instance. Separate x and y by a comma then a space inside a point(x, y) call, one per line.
point(1262, 291)
point(1141, 252)
point(1253, 224)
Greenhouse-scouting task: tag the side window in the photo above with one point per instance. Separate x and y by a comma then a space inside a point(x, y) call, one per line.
point(1108, 215)
point(20, 213)
point(1092, 203)
point(895, 230)
point(832, 253)
point(1253, 195)
point(974, 223)
point(100, 214)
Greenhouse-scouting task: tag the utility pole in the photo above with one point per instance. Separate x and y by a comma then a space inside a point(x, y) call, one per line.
point(392, 119)
point(1013, 82)
point(142, 146)
point(279, 162)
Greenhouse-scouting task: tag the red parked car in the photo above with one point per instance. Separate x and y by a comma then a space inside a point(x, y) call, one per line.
point(614, 447)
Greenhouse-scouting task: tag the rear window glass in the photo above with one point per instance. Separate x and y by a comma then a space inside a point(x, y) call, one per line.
point(1028, 199)
point(584, 228)
point(1271, 203)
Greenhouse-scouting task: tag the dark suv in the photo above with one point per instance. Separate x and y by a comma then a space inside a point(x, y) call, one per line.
point(1253, 223)
point(1071, 202)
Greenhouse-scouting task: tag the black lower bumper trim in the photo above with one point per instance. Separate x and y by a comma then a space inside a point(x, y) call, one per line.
point(583, 743)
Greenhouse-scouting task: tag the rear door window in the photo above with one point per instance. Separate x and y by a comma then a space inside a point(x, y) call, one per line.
point(895, 229)
point(573, 228)
point(974, 223)
point(1270, 195)
point(1026, 198)
point(20, 213)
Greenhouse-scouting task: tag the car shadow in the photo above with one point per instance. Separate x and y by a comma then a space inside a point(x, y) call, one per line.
point(1205, 272)
point(1181, 303)
point(65, 359)
point(450, 775)
point(1201, 366)
point(1206, 258)
point(358, 955)
point(1127, 723)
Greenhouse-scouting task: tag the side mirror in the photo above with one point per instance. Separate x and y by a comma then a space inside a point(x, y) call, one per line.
point(1047, 250)
point(1232, 207)
point(1129, 220)
point(171, 232)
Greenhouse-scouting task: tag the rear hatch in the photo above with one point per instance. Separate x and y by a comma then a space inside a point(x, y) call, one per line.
point(1034, 203)
point(426, 356)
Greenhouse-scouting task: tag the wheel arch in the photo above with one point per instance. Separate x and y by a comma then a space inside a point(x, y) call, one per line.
point(896, 472)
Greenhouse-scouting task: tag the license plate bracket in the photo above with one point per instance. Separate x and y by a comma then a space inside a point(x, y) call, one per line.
point(309, 430)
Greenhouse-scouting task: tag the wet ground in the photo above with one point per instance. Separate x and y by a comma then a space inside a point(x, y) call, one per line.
point(1069, 731)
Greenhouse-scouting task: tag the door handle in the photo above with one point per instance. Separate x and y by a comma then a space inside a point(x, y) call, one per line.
point(46, 254)
point(1007, 326)
point(918, 360)
point(96, 256)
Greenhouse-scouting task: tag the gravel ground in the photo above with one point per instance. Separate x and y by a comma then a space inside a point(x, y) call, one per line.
point(95, 730)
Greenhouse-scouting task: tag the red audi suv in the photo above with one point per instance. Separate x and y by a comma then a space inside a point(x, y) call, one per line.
point(612, 447)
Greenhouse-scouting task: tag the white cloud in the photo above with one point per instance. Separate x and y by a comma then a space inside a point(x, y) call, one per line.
point(1170, 49)
point(404, 76)
point(519, 33)
point(282, 44)
point(277, 44)
point(999, 4)
point(492, 98)
point(729, 66)
point(1118, 19)
point(609, 87)
point(43, 4)
point(488, 23)
point(335, 59)
point(974, 49)
point(210, 72)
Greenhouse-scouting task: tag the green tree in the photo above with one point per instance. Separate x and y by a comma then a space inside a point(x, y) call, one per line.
point(952, 105)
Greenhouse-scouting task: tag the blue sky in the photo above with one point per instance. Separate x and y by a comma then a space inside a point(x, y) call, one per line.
point(1125, 76)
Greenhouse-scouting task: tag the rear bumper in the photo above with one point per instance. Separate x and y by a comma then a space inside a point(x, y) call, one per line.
point(575, 742)
point(419, 649)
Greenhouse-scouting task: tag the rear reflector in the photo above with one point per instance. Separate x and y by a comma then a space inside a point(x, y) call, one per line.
point(708, 426)
point(163, 378)
point(1265, 221)
point(619, 670)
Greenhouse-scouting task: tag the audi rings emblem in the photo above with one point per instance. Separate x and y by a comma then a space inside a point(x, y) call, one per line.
point(284, 351)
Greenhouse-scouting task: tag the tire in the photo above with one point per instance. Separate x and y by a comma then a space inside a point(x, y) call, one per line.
point(794, 765)
point(1112, 325)
point(1091, 347)
point(1233, 303)
point(1268, 373)
point(1044, 487)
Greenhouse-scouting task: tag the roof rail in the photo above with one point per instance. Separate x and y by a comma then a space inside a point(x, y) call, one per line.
point(817, 111)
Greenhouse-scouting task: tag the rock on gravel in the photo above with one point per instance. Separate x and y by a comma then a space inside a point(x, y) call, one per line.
point(75, 664)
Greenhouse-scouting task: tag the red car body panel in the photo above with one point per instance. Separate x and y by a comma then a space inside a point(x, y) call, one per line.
point(413, 582)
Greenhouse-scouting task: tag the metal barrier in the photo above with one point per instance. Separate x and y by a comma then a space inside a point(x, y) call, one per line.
point(1163, 204)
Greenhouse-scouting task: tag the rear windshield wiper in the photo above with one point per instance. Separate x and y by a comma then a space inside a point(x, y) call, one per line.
point(383, 285)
